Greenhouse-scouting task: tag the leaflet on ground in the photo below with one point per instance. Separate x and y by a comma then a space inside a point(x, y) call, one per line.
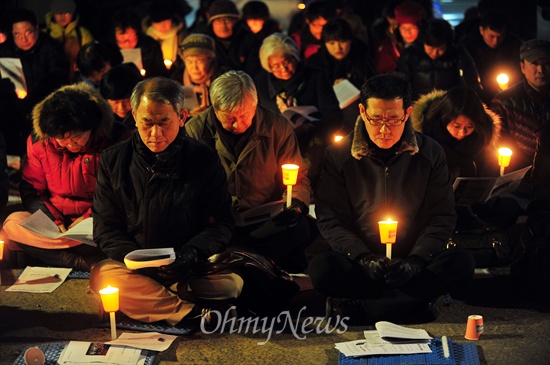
point(42, 225)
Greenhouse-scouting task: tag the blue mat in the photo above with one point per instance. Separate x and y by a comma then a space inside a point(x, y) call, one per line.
point(125, 323)
point(53, 350)
point(460, 354)
point(72, 275)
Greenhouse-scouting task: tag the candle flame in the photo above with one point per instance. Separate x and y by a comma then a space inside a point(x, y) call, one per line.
point(338, 138)
point(142, 72)
point(502, 80)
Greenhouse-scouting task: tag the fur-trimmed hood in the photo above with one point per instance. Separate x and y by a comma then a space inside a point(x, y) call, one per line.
point(104, 129)
point(421, 107)
point(361, 147)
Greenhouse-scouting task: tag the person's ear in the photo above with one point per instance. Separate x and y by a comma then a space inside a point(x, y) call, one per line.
point(183, 117)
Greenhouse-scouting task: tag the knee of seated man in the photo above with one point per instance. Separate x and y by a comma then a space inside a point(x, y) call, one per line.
point(99, 273)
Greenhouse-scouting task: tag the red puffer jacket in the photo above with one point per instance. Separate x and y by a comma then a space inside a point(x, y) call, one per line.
point(58, 181)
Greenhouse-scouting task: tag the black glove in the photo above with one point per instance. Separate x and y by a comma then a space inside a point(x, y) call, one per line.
point(403, 270)
point(186, 258)
point(7, 88)
point(289, 216)
point(374, 266)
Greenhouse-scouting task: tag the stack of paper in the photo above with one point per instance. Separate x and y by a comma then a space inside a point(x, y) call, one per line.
point(149, 257)
point(79, 353)
point(403, 341)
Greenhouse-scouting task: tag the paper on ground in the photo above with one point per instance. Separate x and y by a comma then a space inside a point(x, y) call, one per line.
point(34, 277)
point(80, 352)
point(398, 334)
point(153, 341)
point(373, 344)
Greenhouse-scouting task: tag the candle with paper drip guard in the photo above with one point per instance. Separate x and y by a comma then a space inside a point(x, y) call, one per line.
point(168, 64)
point(388, 234)
point(109, 298)
point(504, 157)
point(502, 80)
point(290, 176)
point(1, 250)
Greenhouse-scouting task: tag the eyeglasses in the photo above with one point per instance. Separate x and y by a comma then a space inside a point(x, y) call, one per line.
point(390, 122)
point(284, 65)
point(26, 34)
point(224, 20)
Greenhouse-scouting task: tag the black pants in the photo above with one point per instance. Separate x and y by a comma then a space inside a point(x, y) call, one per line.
point(80, 257)
point(284, 245)
point(335, 275)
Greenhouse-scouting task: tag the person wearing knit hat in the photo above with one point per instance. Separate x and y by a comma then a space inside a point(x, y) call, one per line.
point(62, 24)
point(222, 15)
point(408, 16)
point(198, 69)
point(236, 46)
point(166, 27)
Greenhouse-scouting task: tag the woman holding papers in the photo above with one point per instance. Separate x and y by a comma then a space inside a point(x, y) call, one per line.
point(287, 83)
point(72, 126)
point(469, 133)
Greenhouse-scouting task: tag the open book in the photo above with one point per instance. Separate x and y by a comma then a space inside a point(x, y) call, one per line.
point(149, 257)
point(190, 100)
point(469, 190)
point(42, 225)
point(132, 55)
point(346, 93)
point(299, 115)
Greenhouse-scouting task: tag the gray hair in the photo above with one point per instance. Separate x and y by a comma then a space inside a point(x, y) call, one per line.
point(229, 90)
point(160, 90)
point(278, 44)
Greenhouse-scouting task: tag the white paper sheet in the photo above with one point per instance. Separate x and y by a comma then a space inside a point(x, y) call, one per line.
point(153, 341)
point(40, 279)
point(79, 352)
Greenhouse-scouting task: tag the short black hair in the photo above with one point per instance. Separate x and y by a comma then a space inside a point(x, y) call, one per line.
point(119, 81)
point(23, 15)
point(125, 19)
point(320, 8)
point(437, 33)
point(95, 55)
point(494, 20)
point(337, 30)
point(255, 10)
point(388, 86)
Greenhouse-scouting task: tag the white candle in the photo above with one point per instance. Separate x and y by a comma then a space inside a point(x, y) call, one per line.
point(290, 177)
point(504, 157)
point(109, 298)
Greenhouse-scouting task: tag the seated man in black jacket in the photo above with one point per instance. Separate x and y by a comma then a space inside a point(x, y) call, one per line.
point(160, 189)
point(385, 169)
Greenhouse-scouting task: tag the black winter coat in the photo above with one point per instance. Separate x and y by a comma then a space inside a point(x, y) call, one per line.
point(175, 198)
point(454, 68)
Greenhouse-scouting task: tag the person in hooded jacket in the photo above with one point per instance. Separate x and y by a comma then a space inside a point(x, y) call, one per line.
point(72, 126)
point(469, 133)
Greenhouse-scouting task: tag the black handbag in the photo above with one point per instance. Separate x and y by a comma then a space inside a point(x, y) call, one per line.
point(491, 246)
point(267, 288)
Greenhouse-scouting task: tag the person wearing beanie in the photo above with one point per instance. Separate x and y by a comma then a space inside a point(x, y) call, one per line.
point(62, 24)
point(236, 46)
point(166, 27)
point(409, 16)
point(196, 68)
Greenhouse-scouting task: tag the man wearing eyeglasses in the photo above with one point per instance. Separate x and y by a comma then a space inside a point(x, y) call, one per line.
point(45, 68)
point(384, 169)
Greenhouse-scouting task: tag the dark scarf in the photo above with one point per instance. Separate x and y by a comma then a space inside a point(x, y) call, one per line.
point(233, 142)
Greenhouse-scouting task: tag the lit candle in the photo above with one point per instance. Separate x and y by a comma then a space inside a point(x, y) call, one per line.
point(142, 72)
point(290, 176)
point(109, 298)
point(502, 80)
point(301, 6)
point(21, 94)
point(1, 250)
point(168, 64)
point(388, 234)
point(504, 157)
point(337, 138)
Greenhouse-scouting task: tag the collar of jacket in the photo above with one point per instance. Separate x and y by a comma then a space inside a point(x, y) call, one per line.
point(361, 146)
point(209, 131)
point(294, 85)
point(427, 101)
point(162, 164)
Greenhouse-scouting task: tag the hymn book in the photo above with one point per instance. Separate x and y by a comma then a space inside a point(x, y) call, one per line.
point(42, 225)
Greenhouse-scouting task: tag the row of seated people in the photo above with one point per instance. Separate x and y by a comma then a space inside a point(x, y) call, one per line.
point(125, 183)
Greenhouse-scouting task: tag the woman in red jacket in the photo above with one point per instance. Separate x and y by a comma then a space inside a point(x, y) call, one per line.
point(72, 126)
